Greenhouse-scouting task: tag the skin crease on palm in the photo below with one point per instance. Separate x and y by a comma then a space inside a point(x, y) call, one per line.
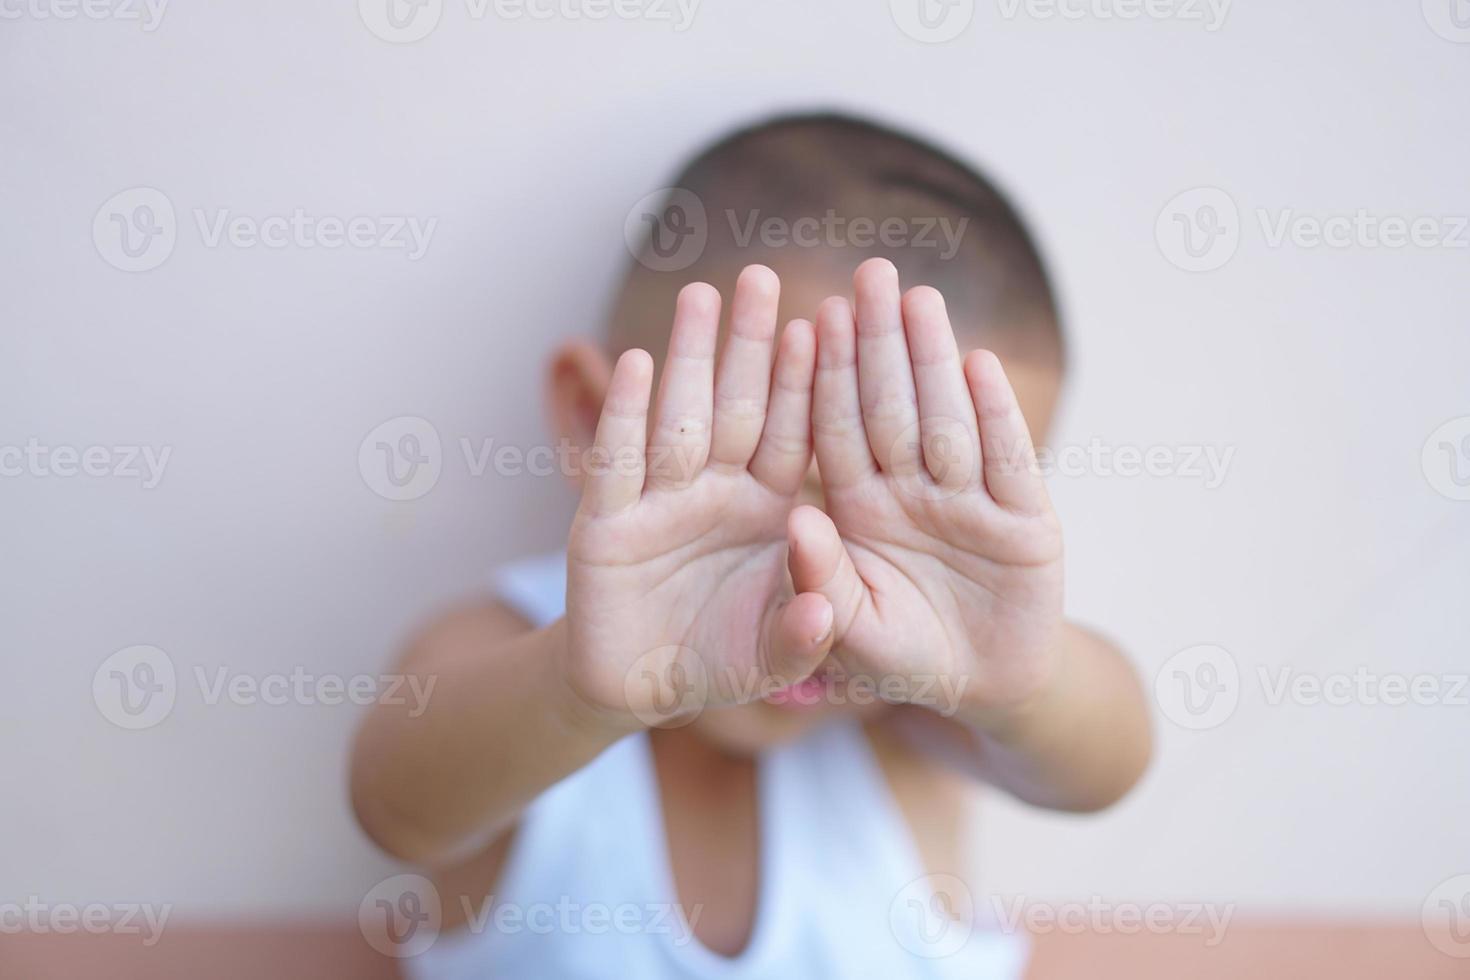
point(899, 574)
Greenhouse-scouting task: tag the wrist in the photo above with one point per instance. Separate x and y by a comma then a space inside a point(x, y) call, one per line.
point(582, 713)
point(1007, 720)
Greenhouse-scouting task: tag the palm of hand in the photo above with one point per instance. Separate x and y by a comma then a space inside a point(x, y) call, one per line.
point(938, 549)
point(941, 555)
point(676, 558)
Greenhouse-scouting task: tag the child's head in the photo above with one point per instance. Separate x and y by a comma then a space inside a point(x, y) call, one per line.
point(812, 197)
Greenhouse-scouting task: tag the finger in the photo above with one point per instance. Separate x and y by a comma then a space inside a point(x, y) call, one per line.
point(1011, 473)
point(743, 378)
point(948, 434)
point(885, 378)
point(838, 433)
point(798, 639)
point(785, 451)
point(818, 562)
point(679, 446)
point(615, 465)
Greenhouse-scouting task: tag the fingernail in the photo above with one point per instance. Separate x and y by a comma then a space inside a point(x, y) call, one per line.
point(826, 633)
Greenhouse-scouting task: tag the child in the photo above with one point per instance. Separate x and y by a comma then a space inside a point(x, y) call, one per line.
point(812, 594)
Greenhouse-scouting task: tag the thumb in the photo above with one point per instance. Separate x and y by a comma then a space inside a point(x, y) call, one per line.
point(798, 639)
point(819, 562)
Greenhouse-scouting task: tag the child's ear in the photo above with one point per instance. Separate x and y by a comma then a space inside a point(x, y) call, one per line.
point(576, 384)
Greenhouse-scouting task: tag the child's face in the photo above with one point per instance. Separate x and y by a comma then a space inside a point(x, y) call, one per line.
point(577, 383)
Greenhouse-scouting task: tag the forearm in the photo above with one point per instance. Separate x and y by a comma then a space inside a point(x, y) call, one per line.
point(1079, 744)
point(499, 728)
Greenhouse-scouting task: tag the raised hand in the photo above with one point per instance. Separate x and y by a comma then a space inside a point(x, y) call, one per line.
point(939, 549)
point(677, 593)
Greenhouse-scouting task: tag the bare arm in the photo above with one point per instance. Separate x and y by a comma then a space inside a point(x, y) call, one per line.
point(941, 553)
point(499, 727)
point(1079, 744)
point(674, 570)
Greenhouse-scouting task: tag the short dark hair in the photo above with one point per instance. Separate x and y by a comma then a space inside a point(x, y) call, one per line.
point(827, 166)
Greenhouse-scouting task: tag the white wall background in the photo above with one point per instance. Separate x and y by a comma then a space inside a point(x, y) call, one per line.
point(263, 550)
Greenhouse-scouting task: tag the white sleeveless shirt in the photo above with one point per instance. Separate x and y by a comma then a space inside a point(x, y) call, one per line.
point(587, 890)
